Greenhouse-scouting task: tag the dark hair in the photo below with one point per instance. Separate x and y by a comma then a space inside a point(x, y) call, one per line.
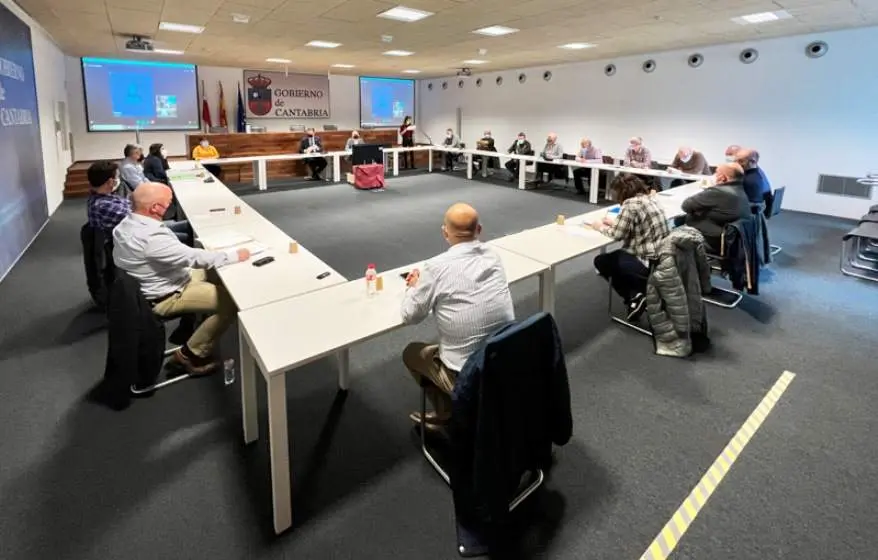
point(155, 149)
point(627, 186)
point(130, 148)
point(408, 118)
point(100, 172)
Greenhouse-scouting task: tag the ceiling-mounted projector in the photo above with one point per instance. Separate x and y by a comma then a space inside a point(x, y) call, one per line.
point(138, 44)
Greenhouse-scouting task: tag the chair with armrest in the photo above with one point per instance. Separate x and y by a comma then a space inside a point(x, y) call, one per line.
point(511, 402)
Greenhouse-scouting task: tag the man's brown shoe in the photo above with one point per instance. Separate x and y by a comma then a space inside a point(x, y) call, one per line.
point(196, 366)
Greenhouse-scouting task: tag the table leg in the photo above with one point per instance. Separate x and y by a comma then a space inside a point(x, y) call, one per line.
point(262, 175)
point(255, 166)
point(395, 164)
point(248, 390)
point(279, 445)
point(547, 290)
point(485, 161)
point(469, 166)
point(344, 369)
point(522, 172)
point(429, 160)
point(336, 168)
point(593, 185)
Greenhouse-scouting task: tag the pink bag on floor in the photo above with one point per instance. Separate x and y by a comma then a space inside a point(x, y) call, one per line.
point(369, 176)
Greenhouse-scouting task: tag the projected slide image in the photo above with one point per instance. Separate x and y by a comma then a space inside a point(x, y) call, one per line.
point(127, 95)
point(385, 102)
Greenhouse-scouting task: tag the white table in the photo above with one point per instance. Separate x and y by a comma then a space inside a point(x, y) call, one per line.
point(260, 164)
point(278, 338)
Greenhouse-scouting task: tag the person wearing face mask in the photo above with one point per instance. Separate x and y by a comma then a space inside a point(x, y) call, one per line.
point(204, 150)
point(756, 184)
point(311, 144)
point(690, 161)
point(155, 165)
point(486, 144)
point(450, 141)
point(551, 151)
point(587, 154)
point(732, 153)
point(715, 207)
point(407, 136)
point(172, 276)
point(637, 155)
point(521, 147)
point(131, 170)
point(354, 140)
point(106, 208)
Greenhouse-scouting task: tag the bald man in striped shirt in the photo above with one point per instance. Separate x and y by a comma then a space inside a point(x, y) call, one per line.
point(466, 289)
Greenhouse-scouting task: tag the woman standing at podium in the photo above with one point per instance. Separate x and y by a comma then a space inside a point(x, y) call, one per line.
point(407, 132)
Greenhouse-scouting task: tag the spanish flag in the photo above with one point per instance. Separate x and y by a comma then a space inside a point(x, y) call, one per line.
point(222, 108)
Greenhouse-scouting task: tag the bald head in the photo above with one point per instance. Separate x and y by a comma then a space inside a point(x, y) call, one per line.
point(728, 172)
point(552, 137)
point(151, 199)
point(684, 152)
point(461, 223)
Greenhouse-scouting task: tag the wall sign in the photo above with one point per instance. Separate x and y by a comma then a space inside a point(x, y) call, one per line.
point(277, 95)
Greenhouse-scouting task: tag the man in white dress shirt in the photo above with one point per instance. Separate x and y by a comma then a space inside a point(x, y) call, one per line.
point(466, 289)
point(172, 276)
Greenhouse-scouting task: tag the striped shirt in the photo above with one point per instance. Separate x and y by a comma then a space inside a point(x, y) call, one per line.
point(466, 289)
point(641, 227)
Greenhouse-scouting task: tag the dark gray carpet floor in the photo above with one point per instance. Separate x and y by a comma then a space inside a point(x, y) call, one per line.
point(170, 478)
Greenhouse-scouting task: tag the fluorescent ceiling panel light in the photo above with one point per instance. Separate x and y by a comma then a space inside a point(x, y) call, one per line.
point(496, 30)
point(475, 61)
point(240, 18)
point(576, 46)
point(342, 65)
point(411, 71)
point(761, 17)
point(166, 51)
point(398, 53)
point(279, 60)
point(181, 27)
point(408, 15)
point(322, 44)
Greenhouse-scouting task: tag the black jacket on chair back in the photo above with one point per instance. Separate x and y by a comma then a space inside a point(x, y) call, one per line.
point(511, 402)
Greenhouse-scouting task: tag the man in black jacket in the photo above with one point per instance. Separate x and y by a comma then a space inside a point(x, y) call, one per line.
point(521, 147)
point(715, 207)
point(485, 143)
point(311, 144)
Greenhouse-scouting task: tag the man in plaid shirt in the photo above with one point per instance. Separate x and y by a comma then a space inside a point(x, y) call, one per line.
point(641, 226)
point(106, 208)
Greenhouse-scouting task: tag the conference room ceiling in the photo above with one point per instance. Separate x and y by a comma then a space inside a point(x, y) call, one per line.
point(441, 43)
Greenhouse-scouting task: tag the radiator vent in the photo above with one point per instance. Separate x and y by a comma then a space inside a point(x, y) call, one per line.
point(843, 186)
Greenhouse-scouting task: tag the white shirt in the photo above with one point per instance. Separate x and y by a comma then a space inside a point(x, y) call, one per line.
point(151, 253)
point(466, 289)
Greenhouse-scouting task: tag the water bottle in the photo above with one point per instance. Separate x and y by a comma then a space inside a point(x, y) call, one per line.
point(371, 280)
point(229, 371)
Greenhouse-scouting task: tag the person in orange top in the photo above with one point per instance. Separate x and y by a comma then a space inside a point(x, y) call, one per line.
point(205, 151)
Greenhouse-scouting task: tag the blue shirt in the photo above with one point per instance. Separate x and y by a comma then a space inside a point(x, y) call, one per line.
point(105, 211)
point(755, 185)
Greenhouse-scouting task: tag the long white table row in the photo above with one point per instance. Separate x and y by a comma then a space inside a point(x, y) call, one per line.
point(290, 317)
point(260, 165)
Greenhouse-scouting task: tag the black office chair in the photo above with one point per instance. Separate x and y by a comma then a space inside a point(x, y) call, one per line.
point(724, 297)
point(97, 257)
point(859, 251)
point(772, 209)
point(136, 345)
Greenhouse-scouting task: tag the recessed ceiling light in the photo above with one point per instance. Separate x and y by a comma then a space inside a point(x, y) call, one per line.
point(475, 61)
point(496, 30)
point(342, 65)
point(411, 71)
point(398, 53)
point(167, 51)
point(240, 18)
point(322, 44)
point(576, 46)
point(408, 15)
point(279, 60)
point(181, 27)
point(762, 17)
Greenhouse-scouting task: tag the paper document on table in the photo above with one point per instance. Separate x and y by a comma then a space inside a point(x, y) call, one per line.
point(225, 240)
point(581, 230)
point(254, 247)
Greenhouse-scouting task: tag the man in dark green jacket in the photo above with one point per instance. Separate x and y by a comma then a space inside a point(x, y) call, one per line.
point(715, 207)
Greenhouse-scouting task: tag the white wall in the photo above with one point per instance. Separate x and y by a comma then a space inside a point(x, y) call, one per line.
point(805, 116)
point(344, 97)
point(49, 74)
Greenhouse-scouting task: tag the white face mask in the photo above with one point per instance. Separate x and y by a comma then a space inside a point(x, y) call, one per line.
point(730, 159)
point(686, 158)
point(205, 144)
point(117, 182)
point(520, 141)
point(164, 153)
